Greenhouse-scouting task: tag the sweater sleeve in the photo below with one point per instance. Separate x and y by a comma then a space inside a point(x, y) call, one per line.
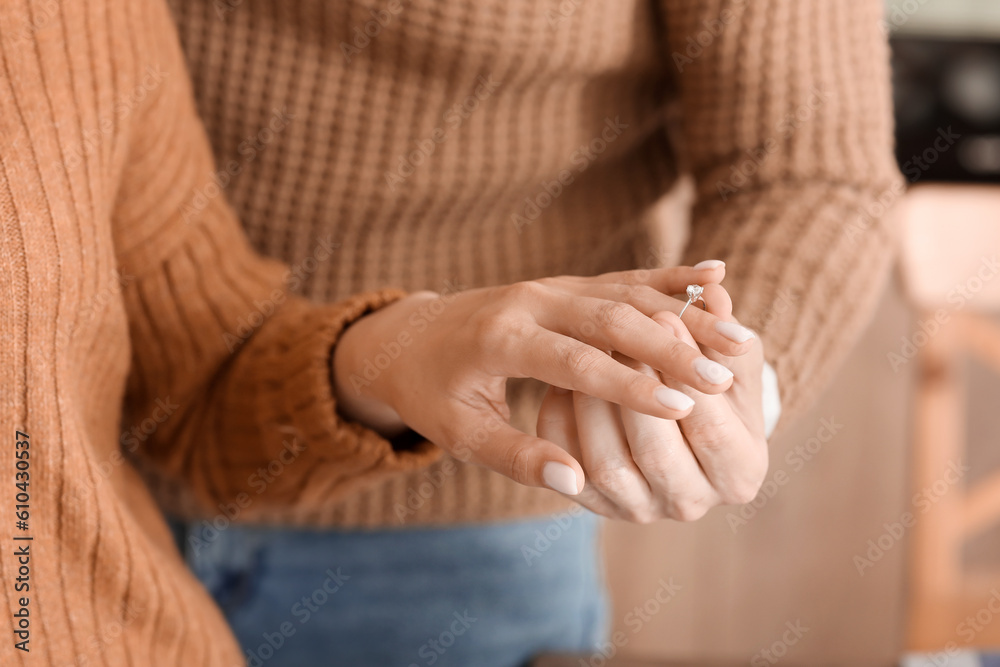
point(787, 130)
point(240, 365)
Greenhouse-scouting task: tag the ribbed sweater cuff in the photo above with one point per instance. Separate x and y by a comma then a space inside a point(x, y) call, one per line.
point(806, 264)
point(281, 395)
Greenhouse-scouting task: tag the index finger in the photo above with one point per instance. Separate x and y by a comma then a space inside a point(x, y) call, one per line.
point(669, 279)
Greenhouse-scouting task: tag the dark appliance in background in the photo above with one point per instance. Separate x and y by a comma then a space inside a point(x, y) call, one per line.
point(947, 94)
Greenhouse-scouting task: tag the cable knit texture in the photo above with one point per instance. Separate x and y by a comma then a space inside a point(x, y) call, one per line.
point(450, 144)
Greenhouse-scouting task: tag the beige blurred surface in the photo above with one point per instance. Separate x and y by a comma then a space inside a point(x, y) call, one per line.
point(792, 561)
point(951, 240)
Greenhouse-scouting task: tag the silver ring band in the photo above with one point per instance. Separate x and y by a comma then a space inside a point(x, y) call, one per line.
point(694, 293)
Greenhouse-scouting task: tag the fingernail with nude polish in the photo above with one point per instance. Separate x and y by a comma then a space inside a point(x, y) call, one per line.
point(673, 399)
point(734, 332)
point(560, 477)
point(711, 371)
point(708, 264)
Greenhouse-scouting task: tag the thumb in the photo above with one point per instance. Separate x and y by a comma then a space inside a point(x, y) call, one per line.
point(521, 457)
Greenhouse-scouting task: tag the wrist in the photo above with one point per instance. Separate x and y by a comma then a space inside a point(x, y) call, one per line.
point(363, 372)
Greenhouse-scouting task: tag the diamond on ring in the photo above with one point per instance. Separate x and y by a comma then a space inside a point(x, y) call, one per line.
point(694, 293)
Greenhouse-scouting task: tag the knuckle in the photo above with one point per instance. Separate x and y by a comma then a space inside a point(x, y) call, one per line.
point(746, 489)
point(637, 383)
point(550, 420)
point(526, 290)
point(644, 515)
point(500, 331)
point(598, 505)
point(582, 360)
point(517, 463)
point(484, 327)
point(714, 433)
point(741, 493)
point(591, 498)
point(688, 510)
point(633, 276)
point(616, 315)
point(583, 403)
point(638, 293)
point(613, 476)
point(657, 466)
point(552, 282)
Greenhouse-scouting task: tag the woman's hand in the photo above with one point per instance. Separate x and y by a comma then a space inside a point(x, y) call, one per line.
point(439, 364)
point(643, 468)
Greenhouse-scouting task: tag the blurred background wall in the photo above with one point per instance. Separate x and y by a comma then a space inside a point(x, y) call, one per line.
point(846, 473)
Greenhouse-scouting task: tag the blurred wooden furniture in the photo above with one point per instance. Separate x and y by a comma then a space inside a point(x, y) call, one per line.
point(951, 247)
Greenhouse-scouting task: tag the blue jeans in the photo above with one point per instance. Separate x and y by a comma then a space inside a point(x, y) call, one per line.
point(491, 595)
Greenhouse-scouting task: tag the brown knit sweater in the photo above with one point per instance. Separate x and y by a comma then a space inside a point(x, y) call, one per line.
point(124, 276)
point(463, 143)
point(103, 278)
